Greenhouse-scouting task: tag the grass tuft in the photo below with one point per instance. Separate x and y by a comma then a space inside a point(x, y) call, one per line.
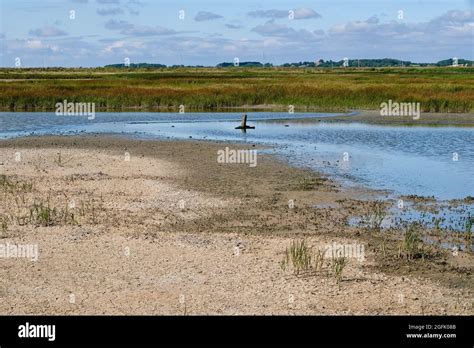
point(412, 245)
point(375, 217)
point(338, 265)
point(43, 215)
point(297, 257)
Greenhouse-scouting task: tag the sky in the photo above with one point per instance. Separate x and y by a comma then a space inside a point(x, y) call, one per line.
point(88, 33)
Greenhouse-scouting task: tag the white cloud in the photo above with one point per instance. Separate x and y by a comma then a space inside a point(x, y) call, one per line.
point(306, 13)
point(113, 24)
point(299, 13)
point(47, 31)
point(108, 1)
point(269, 14)
point(206, 16)
point(143, 30)
point(271, 28)
point(127, 28)
point(233, 26)
point(34, 44)
point(109, 11)
point(114, 46)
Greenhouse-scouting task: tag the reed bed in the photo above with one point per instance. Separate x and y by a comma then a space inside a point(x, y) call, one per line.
point(205, 89)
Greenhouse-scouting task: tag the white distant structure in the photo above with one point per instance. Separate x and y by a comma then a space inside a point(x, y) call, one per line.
point(345, 63)
point(455, 62)
point(318, 62)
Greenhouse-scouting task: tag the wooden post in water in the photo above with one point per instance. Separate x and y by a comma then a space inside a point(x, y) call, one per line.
point(243, 125)
point(244, 121)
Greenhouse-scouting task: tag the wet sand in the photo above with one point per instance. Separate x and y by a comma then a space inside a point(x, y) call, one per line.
point(159, 227)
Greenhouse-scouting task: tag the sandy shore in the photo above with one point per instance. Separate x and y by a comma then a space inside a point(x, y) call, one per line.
point(159, 227)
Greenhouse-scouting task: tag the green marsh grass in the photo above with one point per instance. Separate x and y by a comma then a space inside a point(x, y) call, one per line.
point(297, 257)
point(338, 265)
point(4, 224)
point(468, 232)
point(374, 218)
point(300, 258)
point(319, 260)
point(412, 245)
point(207, 89)
point(42, 214)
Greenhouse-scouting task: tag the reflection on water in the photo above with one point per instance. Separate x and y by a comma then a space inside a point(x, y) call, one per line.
point(420, 161)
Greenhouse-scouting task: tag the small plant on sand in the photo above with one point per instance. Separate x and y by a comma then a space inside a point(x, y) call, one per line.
point(438, 231)
point(14, 187)
point(468, 232)
point(43, 215)
point(338, 265)
point(60, 161)
point(309, 183)
point(3, 224)
point(319, 260)
point(383, 245)
point(375, 217)
point(297, 257)
point(412, 244)
point(68, 216)
point(3, 180)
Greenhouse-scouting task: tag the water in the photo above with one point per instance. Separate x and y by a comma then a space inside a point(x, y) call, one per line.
point(434, 215)
point(23, 123)
point(424, 161)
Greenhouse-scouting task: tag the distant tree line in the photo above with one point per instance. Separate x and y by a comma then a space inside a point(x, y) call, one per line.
point(363, 63)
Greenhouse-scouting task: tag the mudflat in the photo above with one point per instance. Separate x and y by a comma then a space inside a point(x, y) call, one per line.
point(128, 226)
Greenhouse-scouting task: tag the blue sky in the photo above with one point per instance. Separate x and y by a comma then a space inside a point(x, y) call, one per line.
point(42, 32)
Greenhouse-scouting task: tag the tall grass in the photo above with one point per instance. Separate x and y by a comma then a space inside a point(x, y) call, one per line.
point(438, 90)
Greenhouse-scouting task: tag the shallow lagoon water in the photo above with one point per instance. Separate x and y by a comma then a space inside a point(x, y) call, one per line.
point(442, 216)
point(402, 160)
